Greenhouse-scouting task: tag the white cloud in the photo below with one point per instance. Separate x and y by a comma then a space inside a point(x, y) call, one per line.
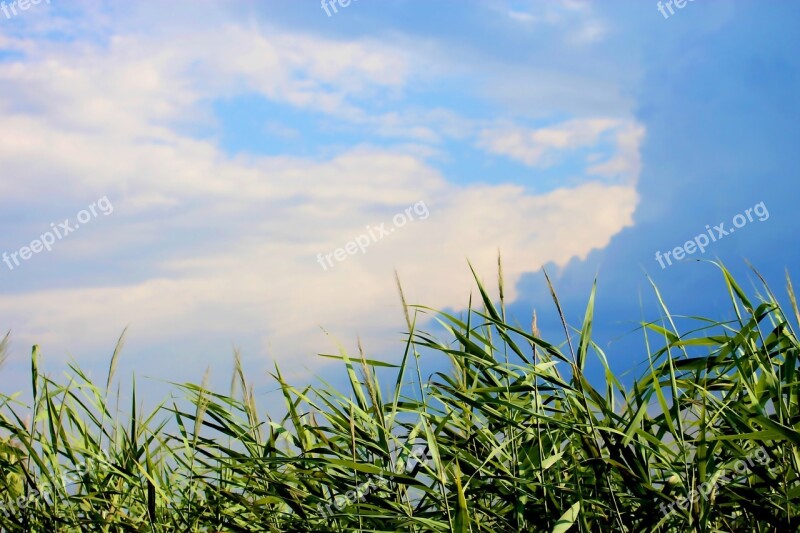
point(269, 281)
point(626, 164)
point(91, 120)
point(590, 32)
point(545, 146)
point(575, 19)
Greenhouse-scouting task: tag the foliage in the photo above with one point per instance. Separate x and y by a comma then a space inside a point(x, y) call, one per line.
point(515, 438)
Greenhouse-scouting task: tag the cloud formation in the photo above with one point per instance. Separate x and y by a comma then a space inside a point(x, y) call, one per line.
point(226, 243)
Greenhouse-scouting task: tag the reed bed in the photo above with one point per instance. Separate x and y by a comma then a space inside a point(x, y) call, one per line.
point(513, 438)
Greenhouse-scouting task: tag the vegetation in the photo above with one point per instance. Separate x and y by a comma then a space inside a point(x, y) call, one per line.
point(514, 438)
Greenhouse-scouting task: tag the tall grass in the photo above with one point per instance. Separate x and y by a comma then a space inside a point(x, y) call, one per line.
point(513, 438)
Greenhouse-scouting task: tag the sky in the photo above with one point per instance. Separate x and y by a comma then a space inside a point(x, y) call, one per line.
point(220, 176)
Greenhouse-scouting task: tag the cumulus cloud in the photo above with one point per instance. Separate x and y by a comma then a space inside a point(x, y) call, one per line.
point(228, 244)
point(542, 147)
point(271, 276)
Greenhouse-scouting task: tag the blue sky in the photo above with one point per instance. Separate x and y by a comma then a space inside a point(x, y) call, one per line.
point(238, 141)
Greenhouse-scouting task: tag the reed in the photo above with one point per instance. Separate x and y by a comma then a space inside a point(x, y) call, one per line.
point(514, 437)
